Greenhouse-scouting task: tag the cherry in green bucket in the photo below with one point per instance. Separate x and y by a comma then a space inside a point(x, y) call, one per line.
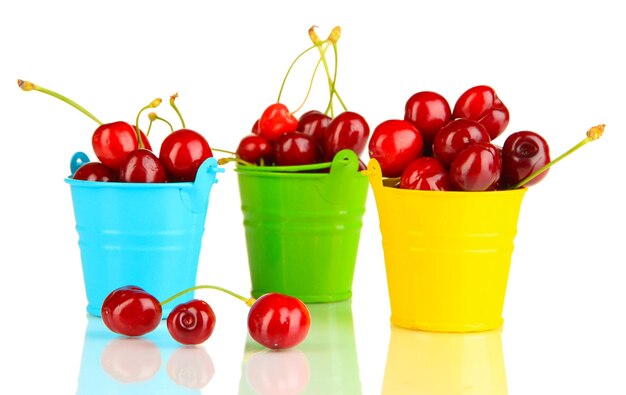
point(303, 228)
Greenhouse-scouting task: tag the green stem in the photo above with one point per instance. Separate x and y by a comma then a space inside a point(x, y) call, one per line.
point(149, 128)
point(282, 86)
point(335, 78)
point(166, 121)
point(172, 98)
point(322, 52)
point(308, 92)
point(223, 161)
point(593, 133)
point(223, 151)
point(247, 301)
point(28, 86)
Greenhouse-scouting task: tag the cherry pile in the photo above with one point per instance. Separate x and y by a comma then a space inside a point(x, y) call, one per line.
point(439, 148)
point(275, 320)
point(280, 138)
point(125, 154)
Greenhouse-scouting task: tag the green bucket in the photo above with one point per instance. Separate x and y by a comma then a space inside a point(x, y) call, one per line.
point(303, 228)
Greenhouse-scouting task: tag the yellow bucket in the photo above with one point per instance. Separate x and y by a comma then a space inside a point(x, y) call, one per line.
point(447, 254)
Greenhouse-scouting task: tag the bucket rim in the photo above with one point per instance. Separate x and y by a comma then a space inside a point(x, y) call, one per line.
point(128, 185)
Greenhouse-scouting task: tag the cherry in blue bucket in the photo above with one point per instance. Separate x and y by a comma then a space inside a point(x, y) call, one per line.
point(275, 320)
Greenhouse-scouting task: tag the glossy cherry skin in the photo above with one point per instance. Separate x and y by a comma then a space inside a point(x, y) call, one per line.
point(111, 143)
point(292, 149)
point(428, 112)
point(255, 127)
point(314, 123)
point(477, 168)
point(277, 120)
point(142, 166)
point(524, 153)
point(191, 322)
point(348, 130)
point(131, 311)
point(278, 321)
point(457, 135)
point(394, 144)
point(94, 171)
point(481, 104)
point(182, 152)
point(253, 148)
point(426, 174)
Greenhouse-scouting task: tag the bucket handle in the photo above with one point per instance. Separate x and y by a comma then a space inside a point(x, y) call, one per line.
point(77, 160)
point(196, 197)
point(375, 174)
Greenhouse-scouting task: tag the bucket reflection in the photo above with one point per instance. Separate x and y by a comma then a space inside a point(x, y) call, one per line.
point(152, 364)
point(325, 363)
point(444, 363)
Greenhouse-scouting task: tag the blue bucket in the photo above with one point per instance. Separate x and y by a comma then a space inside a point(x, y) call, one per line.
point(148, 235)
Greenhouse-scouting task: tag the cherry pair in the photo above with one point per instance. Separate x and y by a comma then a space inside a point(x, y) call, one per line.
point(275, 321)
point(126, 155)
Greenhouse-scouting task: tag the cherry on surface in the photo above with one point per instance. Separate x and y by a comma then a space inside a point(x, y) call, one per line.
point(457, 135)
point(182, 152)
point(477, 168)
point(426, 174)
point(481, 104)
point(142, 166)
point(278, 321)
point(111, 143)
point(277, 120)
point(394, 144)
point(524, 153)
point(428, 112)
point(293, 149)
point(94, 171)
point(347, 130)
point(253, 147)
point(131, 311)
point(191, 322)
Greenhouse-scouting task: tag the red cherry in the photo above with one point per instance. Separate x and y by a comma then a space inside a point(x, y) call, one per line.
point(131, 311)
point(428, 112)
point(182, 153)
point(113, 141)
point(278, 321)
point(455, 137)
point(348, 130)
point(253, 147)
point(142, 166)
point(277, 120)
point(426, 174)
point(395, 144)
point(477, 168)
point(191, 322)
point(292, 149)
point(524, 153)
point(94, 171)
point(481, 104)
point(255, 127)
point(314, 123)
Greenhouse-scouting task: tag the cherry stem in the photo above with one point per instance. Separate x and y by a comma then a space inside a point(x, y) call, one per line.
point(223, 151)
point(153, 104)
point(223, 161)
point(172, 99)
point(331, 83)
point(29, 86)
point(153, 116)
point(149, 128)
point(282, 86)
point(308, 92)
point(335, 78)
point(247, 301)
point(593, 133)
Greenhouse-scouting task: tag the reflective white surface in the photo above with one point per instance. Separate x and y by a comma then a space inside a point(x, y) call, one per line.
point(559, 68)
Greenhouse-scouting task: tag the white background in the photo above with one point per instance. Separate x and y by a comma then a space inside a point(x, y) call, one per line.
point(558, 66)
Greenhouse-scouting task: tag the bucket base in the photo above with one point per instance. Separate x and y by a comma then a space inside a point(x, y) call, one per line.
point(308, 298)
point(439, 327)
